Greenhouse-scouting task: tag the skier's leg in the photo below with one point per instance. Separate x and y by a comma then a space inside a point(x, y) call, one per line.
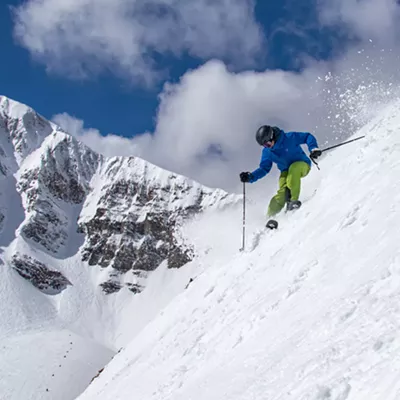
point(297, 170)
point(278, 201)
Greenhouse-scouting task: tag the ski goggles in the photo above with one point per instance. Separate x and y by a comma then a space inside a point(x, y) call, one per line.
point(268, 144)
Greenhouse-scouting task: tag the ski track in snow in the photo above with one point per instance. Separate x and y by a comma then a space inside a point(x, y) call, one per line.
point(308, 312)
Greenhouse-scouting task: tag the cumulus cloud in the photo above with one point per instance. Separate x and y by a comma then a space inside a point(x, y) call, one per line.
point(212, 108)
point(82, 37)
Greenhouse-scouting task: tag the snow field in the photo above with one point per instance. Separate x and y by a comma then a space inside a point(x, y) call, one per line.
point(48, 365)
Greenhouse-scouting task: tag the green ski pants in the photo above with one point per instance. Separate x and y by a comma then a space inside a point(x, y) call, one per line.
point(289, 186)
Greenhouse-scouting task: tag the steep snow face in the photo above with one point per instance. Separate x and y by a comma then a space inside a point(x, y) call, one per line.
point(309, 312)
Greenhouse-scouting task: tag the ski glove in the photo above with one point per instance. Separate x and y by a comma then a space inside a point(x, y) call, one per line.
point(245, 176)
point(315, 153)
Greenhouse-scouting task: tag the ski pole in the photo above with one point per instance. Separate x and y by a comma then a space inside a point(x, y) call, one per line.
point(244, 218)
point(342, 144)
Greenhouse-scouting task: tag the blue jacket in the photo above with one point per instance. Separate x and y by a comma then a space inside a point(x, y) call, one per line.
point(285, 152)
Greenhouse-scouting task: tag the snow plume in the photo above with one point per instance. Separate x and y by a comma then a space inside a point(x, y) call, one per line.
point(88, 36)
point(358, 88)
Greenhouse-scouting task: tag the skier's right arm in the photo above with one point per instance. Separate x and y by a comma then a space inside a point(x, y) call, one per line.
point(263, 169)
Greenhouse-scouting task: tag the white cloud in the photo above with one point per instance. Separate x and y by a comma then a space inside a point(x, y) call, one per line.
point(368, 19)
point(82, 37)
point(110, 145)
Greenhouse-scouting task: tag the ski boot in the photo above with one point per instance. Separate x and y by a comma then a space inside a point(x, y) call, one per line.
point(272, 224)
point(293, 205)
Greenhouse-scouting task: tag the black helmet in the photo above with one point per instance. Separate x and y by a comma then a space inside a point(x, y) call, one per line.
point(266, 134)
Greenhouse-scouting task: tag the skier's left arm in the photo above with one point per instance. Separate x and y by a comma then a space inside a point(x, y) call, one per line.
point(306, 138)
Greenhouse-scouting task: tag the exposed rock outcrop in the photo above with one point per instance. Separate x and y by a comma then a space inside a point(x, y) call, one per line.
point(46, 280)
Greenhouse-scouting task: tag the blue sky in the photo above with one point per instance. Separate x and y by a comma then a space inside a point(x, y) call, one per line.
point(185, 83)
point(113, 105)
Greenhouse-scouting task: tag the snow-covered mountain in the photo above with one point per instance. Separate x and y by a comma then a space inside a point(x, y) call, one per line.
point(116, 213)
point(80, 236)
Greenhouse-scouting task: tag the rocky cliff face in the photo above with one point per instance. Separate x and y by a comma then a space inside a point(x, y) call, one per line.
point(118, 215)
point(55, 180)
point(131, 222)
point(22, 131)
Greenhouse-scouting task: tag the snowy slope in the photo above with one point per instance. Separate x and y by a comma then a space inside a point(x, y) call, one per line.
point(309, 312)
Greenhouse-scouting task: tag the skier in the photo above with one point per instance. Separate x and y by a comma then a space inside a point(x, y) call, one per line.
point(283, 148)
